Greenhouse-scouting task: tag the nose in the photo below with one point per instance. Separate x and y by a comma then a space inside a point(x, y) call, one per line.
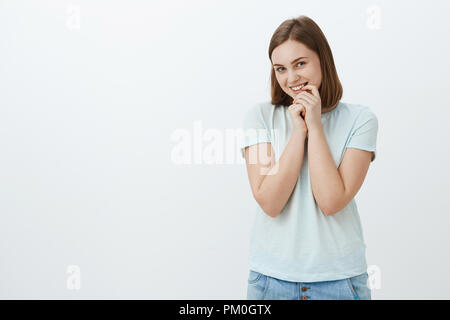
point(292, 77)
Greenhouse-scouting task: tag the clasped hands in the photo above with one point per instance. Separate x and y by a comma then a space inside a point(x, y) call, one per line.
point(309, 98)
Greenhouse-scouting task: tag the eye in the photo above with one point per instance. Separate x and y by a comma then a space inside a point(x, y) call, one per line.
point(278, 69)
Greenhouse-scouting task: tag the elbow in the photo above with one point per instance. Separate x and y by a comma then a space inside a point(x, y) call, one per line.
point(336, 206)
point(328, 210)
point(270, 213)
point(267, 206)
point(331, 210)
point(269, 210)
point(329, 206)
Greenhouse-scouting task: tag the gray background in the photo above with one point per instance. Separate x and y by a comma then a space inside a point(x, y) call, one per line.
point(91, 93)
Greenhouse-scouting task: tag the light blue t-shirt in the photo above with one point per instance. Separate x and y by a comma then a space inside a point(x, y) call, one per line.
point(302, 244)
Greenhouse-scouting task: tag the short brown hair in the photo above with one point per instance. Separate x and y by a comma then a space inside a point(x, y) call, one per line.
point(306, 31)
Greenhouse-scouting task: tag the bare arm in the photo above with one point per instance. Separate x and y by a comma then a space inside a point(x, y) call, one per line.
point(326, 182)
point(273, 185)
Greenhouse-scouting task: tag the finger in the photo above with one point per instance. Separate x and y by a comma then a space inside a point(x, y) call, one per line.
point(308, 95)
point(298, 109)
point(305, 103)
point(305, 94)
point(313, 89)
point(295, 106)
point(300, 103)
point(309, 98)
point(301, 107)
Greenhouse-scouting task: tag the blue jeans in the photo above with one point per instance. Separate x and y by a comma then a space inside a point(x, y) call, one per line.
point(263, 287)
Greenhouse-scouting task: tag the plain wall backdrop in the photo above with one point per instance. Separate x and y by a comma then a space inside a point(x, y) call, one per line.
point(93, 94)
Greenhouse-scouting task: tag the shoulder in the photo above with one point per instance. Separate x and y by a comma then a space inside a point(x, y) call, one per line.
point(263, 106)
point(262, 110)
point(358, 111)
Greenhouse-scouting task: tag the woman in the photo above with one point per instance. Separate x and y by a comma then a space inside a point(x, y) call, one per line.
point(315, 151)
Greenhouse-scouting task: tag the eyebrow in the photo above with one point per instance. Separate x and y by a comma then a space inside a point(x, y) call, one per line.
point(276, 64)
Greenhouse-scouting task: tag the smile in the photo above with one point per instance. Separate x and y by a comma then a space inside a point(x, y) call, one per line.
point(299, 87)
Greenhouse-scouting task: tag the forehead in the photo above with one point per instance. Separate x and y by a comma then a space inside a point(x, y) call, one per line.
point(289, 50)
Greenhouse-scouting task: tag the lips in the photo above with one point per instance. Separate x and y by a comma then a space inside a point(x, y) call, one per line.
point(299, 85)
point(292, 87)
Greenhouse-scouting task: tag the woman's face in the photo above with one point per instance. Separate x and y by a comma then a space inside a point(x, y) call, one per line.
point(295, 64)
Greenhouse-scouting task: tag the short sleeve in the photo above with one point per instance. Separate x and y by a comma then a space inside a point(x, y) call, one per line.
point(254, 128)
point(364, 136)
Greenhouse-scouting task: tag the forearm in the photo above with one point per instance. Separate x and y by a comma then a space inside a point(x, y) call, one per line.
point(280, 181)
point(326, 182)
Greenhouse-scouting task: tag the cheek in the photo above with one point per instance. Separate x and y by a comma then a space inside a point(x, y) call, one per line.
point(316, 73)
point(281, 81)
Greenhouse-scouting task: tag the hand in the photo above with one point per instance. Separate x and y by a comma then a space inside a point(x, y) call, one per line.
point(297, 112)
point(309, 98)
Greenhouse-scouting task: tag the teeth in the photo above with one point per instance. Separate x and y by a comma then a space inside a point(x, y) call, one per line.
point(299, 87)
